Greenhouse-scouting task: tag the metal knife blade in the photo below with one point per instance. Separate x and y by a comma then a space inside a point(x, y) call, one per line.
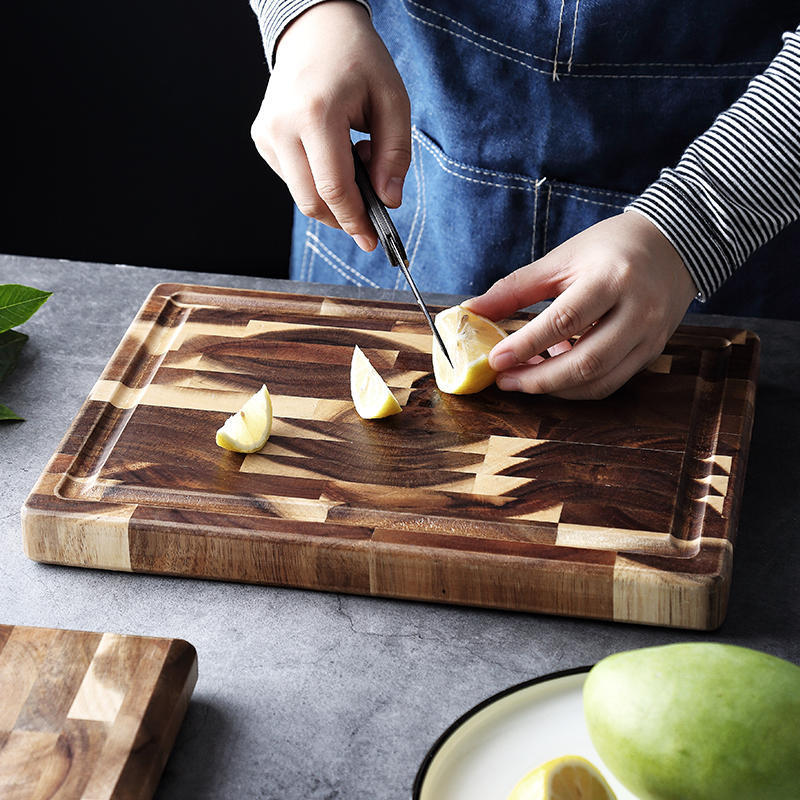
point(390, 239)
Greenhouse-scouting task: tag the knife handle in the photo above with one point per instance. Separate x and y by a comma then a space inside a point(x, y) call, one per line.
point(378, 215)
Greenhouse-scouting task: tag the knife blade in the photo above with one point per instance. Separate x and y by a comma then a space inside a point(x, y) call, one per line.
point(390, 239)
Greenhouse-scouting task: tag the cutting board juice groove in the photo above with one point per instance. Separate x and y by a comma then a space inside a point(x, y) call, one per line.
point(620, 509)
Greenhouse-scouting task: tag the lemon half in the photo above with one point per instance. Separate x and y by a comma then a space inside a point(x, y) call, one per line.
point(468, 338)
point(372, 397)
point(563, 778)
point(248, 429)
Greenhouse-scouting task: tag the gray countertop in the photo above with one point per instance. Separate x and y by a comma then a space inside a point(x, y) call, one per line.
point(305, 695)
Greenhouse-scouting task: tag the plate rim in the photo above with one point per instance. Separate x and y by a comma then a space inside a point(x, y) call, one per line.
point(434, 749)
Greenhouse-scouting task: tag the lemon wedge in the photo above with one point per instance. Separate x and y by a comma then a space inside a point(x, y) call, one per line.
point(372, 397)
point(468, 338)
point(563, 778)
point(248, 429)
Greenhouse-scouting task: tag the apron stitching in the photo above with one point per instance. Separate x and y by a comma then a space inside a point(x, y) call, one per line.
point(574, 28)
point(478, 44)
point(535, 212)
point(586, 200)
point(317, 246)
point(471, 30)
point(417, 161)
point(668, 64)
point(305, 251)
point(558, 42)
point(583, 188)
point(439, 159)
point(575, 63)
point(546, 220)
point(422, 222)
point(420, 137)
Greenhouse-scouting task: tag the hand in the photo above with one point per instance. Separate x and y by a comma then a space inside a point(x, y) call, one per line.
point(620, 284)
point(333, 73)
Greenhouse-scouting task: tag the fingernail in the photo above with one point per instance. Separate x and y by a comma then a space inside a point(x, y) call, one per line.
point(507, 383)
point(363, 242)
point(501, 361)
point(393, 192)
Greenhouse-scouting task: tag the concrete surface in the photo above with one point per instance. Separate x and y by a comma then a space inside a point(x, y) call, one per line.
point(311, 696)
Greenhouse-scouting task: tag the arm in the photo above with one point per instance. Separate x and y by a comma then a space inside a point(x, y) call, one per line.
point(332, 73)
point(626, 282)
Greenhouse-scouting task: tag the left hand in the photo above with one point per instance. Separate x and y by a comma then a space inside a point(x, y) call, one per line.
point(620, 284)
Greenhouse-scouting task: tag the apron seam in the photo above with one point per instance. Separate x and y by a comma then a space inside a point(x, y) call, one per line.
point(440, 158)
point(416, 162)
point(554, 72)
point(424, 203)
point(471, 30)
point(546, 219)
point(317, 243)
point(558, 42)
point(587, 200)
point(574, 29)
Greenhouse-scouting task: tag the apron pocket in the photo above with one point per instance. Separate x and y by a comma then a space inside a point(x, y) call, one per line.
point(570, 208)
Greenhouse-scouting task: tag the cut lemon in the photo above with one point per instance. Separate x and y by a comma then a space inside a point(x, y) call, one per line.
point(372, 397)
point(248, 429)
point(563, 778)
point(468, 338)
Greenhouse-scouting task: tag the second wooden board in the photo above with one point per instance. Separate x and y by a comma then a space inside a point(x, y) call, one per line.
point(620, 509)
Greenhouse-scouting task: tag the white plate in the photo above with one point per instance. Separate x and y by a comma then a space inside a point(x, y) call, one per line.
point(482, 755)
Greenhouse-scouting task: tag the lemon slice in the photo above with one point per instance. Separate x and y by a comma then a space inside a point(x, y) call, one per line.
point(248, 429)
point(468, 338)
point(563, 778)
point(372, 397)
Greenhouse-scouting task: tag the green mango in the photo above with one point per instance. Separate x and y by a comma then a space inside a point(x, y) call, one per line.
point(697, 721)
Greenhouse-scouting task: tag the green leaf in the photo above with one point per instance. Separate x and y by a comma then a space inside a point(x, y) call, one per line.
point(7, 415)
point(18, 303)
point(10, 345)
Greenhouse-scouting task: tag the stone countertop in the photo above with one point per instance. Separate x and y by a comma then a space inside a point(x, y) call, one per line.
point(305, 695)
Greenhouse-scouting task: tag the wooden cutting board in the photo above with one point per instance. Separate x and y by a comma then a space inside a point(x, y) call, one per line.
point(88, 715)
point(620, 509)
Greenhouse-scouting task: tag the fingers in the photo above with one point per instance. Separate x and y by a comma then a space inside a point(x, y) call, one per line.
point(390, 151)
point(330, 161)
point(634, 362)
point(571, 313)
point(523, 287)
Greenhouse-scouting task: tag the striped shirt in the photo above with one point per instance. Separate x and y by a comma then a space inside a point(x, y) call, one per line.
point(736, 186)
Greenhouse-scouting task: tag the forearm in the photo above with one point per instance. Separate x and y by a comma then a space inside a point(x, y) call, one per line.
point(738, 184)
point(275, 15)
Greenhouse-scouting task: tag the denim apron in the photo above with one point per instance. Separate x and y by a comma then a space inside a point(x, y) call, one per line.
point(533, 120)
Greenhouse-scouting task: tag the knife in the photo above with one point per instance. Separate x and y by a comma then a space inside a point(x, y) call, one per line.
point(390, 239)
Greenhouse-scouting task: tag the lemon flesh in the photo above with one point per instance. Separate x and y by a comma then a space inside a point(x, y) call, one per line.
point(373, 399)
point(468, 338)
point(248, 429)
point(563, 778)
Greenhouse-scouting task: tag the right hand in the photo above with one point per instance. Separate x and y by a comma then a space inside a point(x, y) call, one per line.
point(332, 73)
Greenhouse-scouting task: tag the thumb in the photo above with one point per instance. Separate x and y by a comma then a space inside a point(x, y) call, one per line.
point(523, 287)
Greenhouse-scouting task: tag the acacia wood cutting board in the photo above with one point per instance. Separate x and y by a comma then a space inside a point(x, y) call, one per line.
point(620, 509)
point(89, 716)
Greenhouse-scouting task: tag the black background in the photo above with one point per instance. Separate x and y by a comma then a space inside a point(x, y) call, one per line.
point(126, 136)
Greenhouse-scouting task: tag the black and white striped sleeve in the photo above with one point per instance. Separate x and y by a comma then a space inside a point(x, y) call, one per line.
point(275, 15)
point(738, 184)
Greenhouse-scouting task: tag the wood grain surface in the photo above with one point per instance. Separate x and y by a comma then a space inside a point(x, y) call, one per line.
point(620, 509)
point(88, 715)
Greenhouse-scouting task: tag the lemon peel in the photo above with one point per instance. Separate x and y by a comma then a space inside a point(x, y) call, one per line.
point(564, 778)
point(468, 337)
point(372, 398)
point(248, 429)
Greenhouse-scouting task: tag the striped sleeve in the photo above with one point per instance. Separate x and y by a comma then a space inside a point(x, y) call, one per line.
point(738, 184)
point(275, 15)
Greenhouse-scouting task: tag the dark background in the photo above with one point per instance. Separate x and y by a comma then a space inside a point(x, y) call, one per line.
point(126, 136)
